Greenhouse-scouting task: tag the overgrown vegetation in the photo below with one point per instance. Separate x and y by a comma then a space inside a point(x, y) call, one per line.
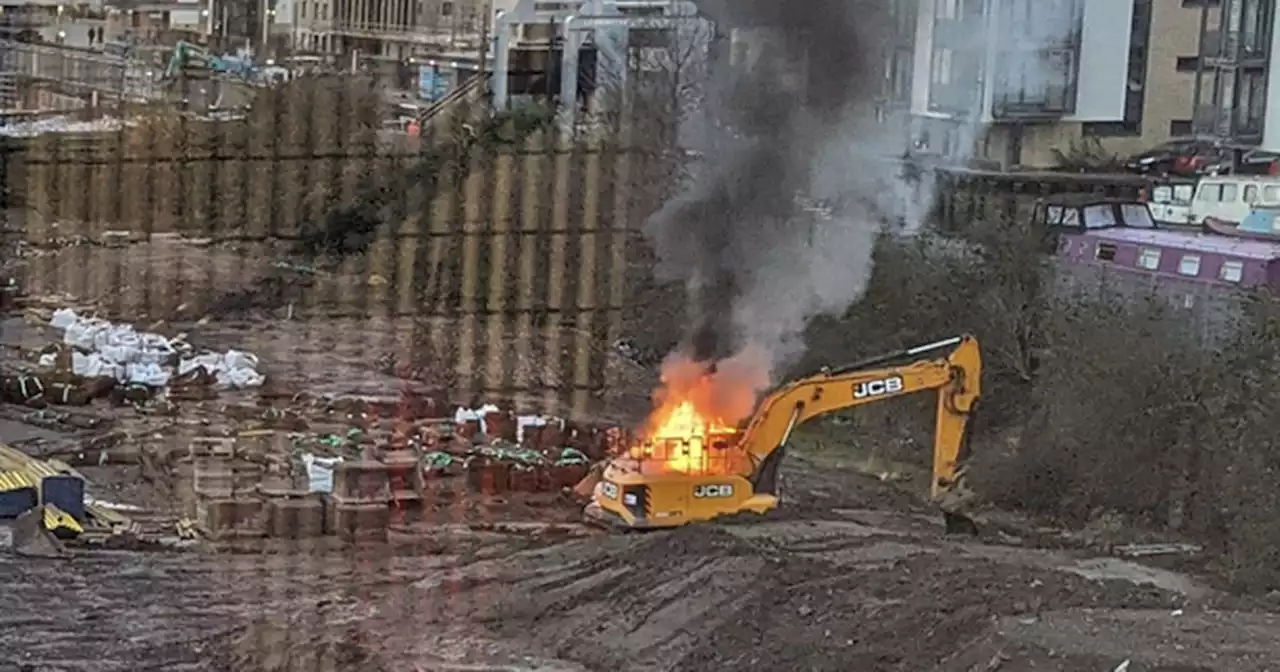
point(1087, 155)
point(1104, 402)
point(348, 228)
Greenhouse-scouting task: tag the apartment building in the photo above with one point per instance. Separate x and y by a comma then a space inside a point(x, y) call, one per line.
point(396, 29)
point(312, 24)
point(401, 28)
point(1042, 75)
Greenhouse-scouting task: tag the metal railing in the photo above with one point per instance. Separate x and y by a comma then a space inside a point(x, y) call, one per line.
point(80, 71)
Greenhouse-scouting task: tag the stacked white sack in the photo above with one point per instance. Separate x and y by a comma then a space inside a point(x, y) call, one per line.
point(119, 351)
point(232, 369)
point(463, 415)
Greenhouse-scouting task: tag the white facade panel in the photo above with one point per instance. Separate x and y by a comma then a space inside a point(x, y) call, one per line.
point(1271, 119)
point(1104, 61)
point(922, 61)
point(185, 18)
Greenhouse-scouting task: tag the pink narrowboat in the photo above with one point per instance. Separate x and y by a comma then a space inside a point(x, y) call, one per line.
point(1202, 258)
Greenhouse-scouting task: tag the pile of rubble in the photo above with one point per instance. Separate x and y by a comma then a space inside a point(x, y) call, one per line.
point(45, 503)
point(33, 128)
point(98, 358)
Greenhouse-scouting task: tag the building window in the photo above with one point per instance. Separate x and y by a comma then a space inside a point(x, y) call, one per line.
point(1231, 271)
point(941, 71)
point(1149, 258)
point(1180, 128)
point(1037, 68)
point(1189, 265)
point(900, 66)
point(1025, 81)
point(1252, 106)
point(904, 20)
point(1253, 35)
point(1107, 129)
point(1217, 193)
point(446, 9)
point(1188, 63)
point(1105, 252)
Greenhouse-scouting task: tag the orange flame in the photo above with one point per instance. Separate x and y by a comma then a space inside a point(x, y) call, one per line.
point(693, 427)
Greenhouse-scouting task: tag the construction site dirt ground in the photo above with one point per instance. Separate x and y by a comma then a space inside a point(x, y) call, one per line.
point(852, 573)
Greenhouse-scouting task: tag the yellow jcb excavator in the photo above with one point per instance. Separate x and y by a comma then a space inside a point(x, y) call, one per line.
point(643, 494)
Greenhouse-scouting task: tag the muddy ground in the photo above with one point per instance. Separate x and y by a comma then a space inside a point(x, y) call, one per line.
point(851, 574)
point(848, 576)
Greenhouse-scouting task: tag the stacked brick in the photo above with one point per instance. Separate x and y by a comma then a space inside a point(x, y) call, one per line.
point(223, 498)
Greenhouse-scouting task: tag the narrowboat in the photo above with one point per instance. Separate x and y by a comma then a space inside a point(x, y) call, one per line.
point(1195, 257)
point(1077, 213)
point(1261, 223)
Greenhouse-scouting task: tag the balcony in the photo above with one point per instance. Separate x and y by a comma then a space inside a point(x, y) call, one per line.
point(1230, 125)
point(1033, 86)
point(958, 34)
point(1234, 49)
point(25, 20)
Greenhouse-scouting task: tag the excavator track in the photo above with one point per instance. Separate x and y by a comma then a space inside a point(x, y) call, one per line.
point(595, 517)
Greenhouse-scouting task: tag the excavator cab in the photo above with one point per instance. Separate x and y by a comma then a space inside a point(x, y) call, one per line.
point(666, 484)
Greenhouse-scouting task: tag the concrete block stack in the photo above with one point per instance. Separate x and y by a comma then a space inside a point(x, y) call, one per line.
point(404, 469)
point(224, 497)
point(358, 508)
point(294, 517)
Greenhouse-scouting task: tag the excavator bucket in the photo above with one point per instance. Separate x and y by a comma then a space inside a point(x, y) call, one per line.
point(586, 487)
point(954, 502)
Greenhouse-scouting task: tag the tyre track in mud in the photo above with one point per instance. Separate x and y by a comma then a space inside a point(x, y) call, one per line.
point(818, 586)
point(106, 611)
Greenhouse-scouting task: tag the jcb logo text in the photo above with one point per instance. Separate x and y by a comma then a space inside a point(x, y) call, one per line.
point(706, 491)
point(875, 388)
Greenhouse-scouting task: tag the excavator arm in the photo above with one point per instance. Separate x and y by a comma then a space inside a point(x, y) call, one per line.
point(183, 54)
point(955, 376)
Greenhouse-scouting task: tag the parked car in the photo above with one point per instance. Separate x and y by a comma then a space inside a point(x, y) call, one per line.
point(1181, 157)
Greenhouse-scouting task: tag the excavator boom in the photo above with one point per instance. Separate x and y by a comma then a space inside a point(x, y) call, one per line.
point(955, 378)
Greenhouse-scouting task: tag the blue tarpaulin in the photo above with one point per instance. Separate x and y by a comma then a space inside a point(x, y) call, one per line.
point(433, 82)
